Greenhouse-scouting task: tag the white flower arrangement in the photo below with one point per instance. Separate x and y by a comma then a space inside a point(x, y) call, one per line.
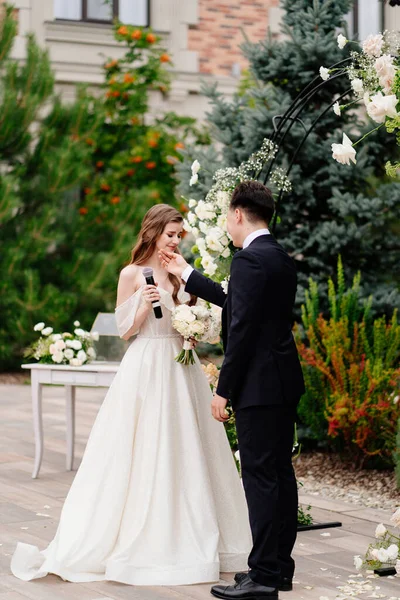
point(374, 75)
point(206, 219)
point(63, 348)
point(385, 551)
point(201, 323)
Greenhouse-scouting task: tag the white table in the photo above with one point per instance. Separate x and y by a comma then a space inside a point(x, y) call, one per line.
point(90, 375)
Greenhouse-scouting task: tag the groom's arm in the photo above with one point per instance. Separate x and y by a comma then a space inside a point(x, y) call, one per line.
point(247, 295)
point(203, 287)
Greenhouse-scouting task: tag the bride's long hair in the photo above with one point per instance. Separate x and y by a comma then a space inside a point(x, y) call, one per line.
point(153, 225)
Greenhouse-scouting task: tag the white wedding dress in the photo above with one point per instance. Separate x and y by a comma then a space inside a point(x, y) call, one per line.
point(157, 499)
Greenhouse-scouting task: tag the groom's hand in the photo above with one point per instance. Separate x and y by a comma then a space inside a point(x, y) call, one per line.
point(173, 263)
point(218, 408)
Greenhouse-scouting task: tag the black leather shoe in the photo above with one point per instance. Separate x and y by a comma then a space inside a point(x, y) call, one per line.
point(245, 589)
point(285, 583)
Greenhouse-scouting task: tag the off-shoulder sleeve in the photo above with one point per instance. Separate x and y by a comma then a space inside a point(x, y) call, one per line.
point(125, 313)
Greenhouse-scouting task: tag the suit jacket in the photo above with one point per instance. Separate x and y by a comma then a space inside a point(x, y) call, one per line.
point(261, 364)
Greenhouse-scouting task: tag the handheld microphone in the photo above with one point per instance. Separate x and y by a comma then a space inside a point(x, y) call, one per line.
point(148, 275)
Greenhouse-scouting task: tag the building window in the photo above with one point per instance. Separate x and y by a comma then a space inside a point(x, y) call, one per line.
point(132, 12)
point(366, 18)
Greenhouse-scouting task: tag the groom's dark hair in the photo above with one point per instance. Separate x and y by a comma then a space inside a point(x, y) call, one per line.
point(255, 199)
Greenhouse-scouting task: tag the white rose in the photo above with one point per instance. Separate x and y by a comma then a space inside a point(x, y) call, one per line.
point(336, 109)
point(373, 45)
point(341, 41)
point(192, 218)
point(82, 355)
point(201, 243)
point(214, 244)
point(195, 167)
point(186, 226)
point(226, 253)
point(39, 326)
point(75, 362)
point(58, 356)
point(195, 231)
point(75, 344)
point(324, 72)
point(68, 353)
point(222, 221)
point(385, 71)
point(381, 107)
point(382, 555)
point(205, 210)
point(358, 562)
point(344, 153)
point(197, 328)
point(79, 332)
point(52, 348)
point(91, 353)
point(47, 331)
point(76, 323)
point(380, 531)
point(60, 345)
point(193, 180)
point(208, 265)
point(393, 551)
point(192, 203)
point(69, 344)
point(95, 336)
point(204, 228)
point(56, 336)
point(374, 553)
point(358, 86)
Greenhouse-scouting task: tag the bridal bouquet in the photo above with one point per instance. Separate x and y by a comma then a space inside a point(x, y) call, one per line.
point(201, 323)
point(385, 552)
point(374, 74)
point(63, 348)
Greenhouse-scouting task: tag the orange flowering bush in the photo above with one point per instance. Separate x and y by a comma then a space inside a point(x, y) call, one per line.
point(351, 366)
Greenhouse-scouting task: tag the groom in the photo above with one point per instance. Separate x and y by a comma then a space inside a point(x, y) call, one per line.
point(262, 378)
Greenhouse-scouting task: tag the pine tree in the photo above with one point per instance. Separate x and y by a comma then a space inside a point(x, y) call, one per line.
point(333, 209)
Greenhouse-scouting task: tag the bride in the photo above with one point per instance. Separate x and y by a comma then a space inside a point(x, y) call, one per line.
point(157, 499)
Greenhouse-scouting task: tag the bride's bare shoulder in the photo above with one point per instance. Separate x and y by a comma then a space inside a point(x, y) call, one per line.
point(130, 280)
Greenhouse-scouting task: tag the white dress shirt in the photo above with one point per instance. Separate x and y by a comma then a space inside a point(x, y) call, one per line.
point(250, 238)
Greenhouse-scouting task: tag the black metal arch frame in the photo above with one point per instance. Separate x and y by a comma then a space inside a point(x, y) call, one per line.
point(292, 115)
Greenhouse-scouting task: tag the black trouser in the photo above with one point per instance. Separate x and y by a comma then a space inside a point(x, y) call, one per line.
point(265, 435)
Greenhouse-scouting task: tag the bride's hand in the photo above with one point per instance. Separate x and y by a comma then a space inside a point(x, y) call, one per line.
point(150, 294)
point(173, 263)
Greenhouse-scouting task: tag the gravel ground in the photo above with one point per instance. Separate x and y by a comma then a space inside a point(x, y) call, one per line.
point(326, 475)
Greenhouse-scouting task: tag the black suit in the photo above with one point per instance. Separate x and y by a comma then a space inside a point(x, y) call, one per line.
point(262, 377)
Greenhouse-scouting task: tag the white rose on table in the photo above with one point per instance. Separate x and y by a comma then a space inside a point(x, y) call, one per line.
point(75, 344)
point(47, 331)
point(358, 562)
point(82, 355)
point(393, 551)
point(68, 353)
point(91, 353)
point(344, 152)
point(381, 107)
point(75, 362)
point(58, 356)
point(60, 345)
point(39, 326)
point(52, 348)
point(380, 554)
point(56, 336)
point(95, 336)
point(380, 531)
point(372, 46)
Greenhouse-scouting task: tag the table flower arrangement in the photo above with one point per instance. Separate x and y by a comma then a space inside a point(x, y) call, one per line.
point(74, 349)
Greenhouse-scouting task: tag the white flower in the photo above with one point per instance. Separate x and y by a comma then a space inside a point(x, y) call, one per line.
point(60, 345)
point(79, 332)
point(194, 179)
point(373, 45)
point(186, 226)
point(396, 399)
point(341, 41)
point(397, 567)
point(82, 355)
point(358, 562)
point(75, 362)
point(344, 153)
point(366, 99)
point(195, 231)
point(213, 243)
point(76, 323)
point(382, 555)
point(237, 456)
point(192, 203)
point(223, 199)
point(52, 348)
point(381, 107)
point(195, 167)
point(385, 71)
point(226, 253)
point(336, 109)
point(95, 336)
point(91, 353)
point(47, 331)
point(39, 326)
point(395, 518)
point(358, 86)
point(197, 328)
point(225, 285)
point(204, 228)
point(205, 211)
point(222, 221)
point(75, 344)
point(68, 353)
point(56, 336)
point(192, 218)
point(208, 265)
point(324, 72)
point(380, 531)
point(393, 551)
point(57, 357)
